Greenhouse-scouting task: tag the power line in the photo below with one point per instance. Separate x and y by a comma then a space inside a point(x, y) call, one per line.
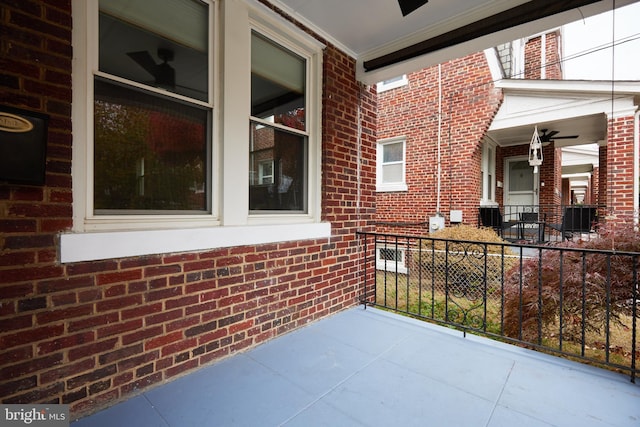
point(608, 45)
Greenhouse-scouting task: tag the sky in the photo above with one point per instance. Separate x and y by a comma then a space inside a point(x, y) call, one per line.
point(595, 32)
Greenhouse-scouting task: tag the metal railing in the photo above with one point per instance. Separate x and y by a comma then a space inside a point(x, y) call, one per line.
point(543, 223)
point(578, 303)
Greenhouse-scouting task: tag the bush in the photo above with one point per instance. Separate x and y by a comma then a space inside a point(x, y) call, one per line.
point(535, 290)
point(470, 233)
point(465, 269)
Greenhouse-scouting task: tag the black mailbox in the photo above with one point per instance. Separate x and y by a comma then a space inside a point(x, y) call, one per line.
point(23, 146)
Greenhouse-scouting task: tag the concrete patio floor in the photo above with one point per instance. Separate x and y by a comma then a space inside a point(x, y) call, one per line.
point(373, 368)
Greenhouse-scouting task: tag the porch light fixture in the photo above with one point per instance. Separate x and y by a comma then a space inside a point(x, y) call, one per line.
point(535, 151)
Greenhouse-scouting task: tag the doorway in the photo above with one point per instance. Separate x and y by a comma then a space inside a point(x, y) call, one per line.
point(521, 185)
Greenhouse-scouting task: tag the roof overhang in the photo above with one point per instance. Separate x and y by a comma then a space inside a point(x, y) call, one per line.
point(568, 107)
point(387, 44)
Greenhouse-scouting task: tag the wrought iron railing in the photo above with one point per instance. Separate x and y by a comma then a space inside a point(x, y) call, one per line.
point(578, 303)
point(543, 223)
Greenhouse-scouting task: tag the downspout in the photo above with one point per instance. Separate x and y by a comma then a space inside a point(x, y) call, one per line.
point(439, 165)
point(359, 157)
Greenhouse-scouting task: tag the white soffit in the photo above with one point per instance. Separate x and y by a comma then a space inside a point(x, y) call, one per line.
point(369, 29)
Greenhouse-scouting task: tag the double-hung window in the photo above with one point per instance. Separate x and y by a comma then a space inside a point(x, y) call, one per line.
point(171, 143)
point(278, 150)
point(488, 173)
point(391, 165)
point(152, 119)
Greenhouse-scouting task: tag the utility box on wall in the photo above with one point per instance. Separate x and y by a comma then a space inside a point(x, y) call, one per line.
point(436, 223)
point(23, 146)
point(455, 216)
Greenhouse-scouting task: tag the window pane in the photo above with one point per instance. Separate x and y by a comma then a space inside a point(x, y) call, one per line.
point(392, 173)
point(393, 152)
point(284, 155)
point(144, 44)
point(278, 81)
point(390, 255)
point(151, 153)
point(520, 176)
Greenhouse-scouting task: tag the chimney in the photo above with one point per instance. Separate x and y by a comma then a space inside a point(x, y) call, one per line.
point(542, 57)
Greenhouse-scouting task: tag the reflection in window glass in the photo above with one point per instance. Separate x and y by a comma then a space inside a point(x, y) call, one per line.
point(277, 169)
point(150, 153)
point(153, 48)
point(278, 83)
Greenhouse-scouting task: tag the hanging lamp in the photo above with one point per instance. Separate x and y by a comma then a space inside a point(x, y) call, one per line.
point(535, 151)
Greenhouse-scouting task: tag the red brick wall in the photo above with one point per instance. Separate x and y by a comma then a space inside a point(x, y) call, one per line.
point(620, 161)
point(88, 334)
point(469, 103)
point(602, 175)
point(537, 66)
point(533, 59)
point(553, 64)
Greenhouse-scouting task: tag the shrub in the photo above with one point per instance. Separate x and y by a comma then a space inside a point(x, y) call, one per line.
point(461, 265)
point(470, 233)
point(533, 301)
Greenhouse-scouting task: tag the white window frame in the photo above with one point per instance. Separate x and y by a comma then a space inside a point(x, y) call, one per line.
point(488, 169)
point(395, 266)
point(298, 42)
point(124, 235)
point(85, 69)
point(392, 186)
point(393, 83)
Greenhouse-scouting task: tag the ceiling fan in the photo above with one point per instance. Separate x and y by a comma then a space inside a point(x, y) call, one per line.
point(408, 6)
point(164, 74)
point(551, 136)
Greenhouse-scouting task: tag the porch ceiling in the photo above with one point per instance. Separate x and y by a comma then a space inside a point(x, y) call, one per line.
point(590, 129)
point(387, 44)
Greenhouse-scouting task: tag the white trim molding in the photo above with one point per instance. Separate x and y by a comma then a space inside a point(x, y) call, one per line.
point(77, 247)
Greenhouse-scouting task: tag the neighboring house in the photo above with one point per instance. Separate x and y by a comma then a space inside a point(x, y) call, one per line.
point(455, 137)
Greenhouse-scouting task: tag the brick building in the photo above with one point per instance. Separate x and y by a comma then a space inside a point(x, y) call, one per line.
point(157, 238)
point(106, 288)
point(456, 136)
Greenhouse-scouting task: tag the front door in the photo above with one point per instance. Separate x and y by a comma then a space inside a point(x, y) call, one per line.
point(521, 184)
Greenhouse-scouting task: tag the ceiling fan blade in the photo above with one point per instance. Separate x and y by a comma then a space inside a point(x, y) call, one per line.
point(552, 133)
point(567, 137)
point(145, 60)
point(408, 6)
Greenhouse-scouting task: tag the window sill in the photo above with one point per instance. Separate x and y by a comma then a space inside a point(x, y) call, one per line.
point(391, 188)
point(78, 247)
